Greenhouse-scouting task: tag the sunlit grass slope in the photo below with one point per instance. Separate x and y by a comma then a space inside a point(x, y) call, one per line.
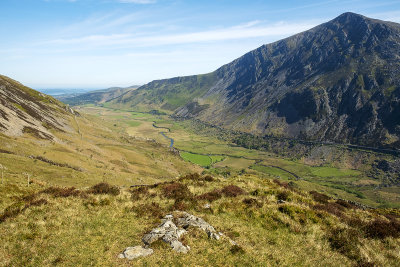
point(273, 224)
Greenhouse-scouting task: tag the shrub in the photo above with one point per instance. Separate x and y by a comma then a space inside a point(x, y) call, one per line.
point(104, 188)
point(345, 204)
point(208, 178)
point(331, 208)
point(381, 229)
point(179, 205)
point(197, 177)
point(236, 249)
point(289, 210)
point(211, 196)
point(282, 184)
point(177, 191)
point(252, 202)
point(138, 192)
point(232, 191)
point(61, 192)
point(353, 221)
point(346, 242)
point(16, 208)
point(12, 211)
point(322, 198)
point(283, 195)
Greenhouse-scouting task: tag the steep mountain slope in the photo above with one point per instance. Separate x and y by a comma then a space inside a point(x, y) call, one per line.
point(23, 110)
point(43, 137)
point(96, 97)
point(337, 82)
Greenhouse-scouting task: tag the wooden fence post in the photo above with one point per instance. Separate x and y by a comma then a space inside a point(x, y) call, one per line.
point(28, 177)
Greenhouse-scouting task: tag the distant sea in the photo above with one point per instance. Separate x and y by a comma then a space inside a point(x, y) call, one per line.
point(55, 92)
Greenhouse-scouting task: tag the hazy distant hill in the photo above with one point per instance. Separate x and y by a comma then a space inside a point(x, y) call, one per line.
point(24, 110)
point(339, 81)
point(94, 97)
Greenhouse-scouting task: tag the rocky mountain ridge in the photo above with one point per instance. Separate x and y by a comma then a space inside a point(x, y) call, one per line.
point(337, 82)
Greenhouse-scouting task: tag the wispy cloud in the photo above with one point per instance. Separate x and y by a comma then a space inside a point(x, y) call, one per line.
point(251, 29)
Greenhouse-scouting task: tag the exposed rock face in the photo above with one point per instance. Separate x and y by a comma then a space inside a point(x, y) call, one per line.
point(339, 82)
point(23, 110)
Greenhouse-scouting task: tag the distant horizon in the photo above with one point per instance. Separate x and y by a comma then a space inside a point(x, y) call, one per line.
point(63, 91)
point(100, 44)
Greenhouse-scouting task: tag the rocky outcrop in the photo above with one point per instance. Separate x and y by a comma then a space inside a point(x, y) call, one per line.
point(171, 229)
point(168, 232)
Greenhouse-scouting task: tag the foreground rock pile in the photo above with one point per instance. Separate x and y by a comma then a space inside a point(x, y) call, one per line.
point(171, 229)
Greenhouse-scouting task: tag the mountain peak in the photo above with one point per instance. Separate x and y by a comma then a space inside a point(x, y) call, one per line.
point(350, 19)
point(350, 16)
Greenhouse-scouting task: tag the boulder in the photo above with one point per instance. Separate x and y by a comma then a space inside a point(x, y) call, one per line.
point(131, 253)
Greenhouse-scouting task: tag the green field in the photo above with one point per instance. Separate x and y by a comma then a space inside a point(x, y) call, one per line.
point(333, 172)
point(134, 123)
point(201, 160)
point(216, 159)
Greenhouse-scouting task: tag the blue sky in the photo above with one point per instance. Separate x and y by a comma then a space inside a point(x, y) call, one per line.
point(104, 43)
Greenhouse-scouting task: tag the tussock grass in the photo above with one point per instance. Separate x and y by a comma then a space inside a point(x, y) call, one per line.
point(93, 230)
point(90, 224)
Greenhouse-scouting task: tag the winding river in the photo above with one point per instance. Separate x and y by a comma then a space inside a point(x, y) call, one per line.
point(164, 134)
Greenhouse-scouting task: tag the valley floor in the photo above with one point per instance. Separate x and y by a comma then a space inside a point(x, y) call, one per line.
point(338, 173)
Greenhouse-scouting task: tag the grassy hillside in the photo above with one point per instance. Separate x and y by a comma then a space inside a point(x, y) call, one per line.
point(165, 94)
point(272, 223)
point(94, 151)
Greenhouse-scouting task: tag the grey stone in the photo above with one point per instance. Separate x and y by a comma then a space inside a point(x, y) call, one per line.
point(131, 253)
point(169, 233)
point(185, 220)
